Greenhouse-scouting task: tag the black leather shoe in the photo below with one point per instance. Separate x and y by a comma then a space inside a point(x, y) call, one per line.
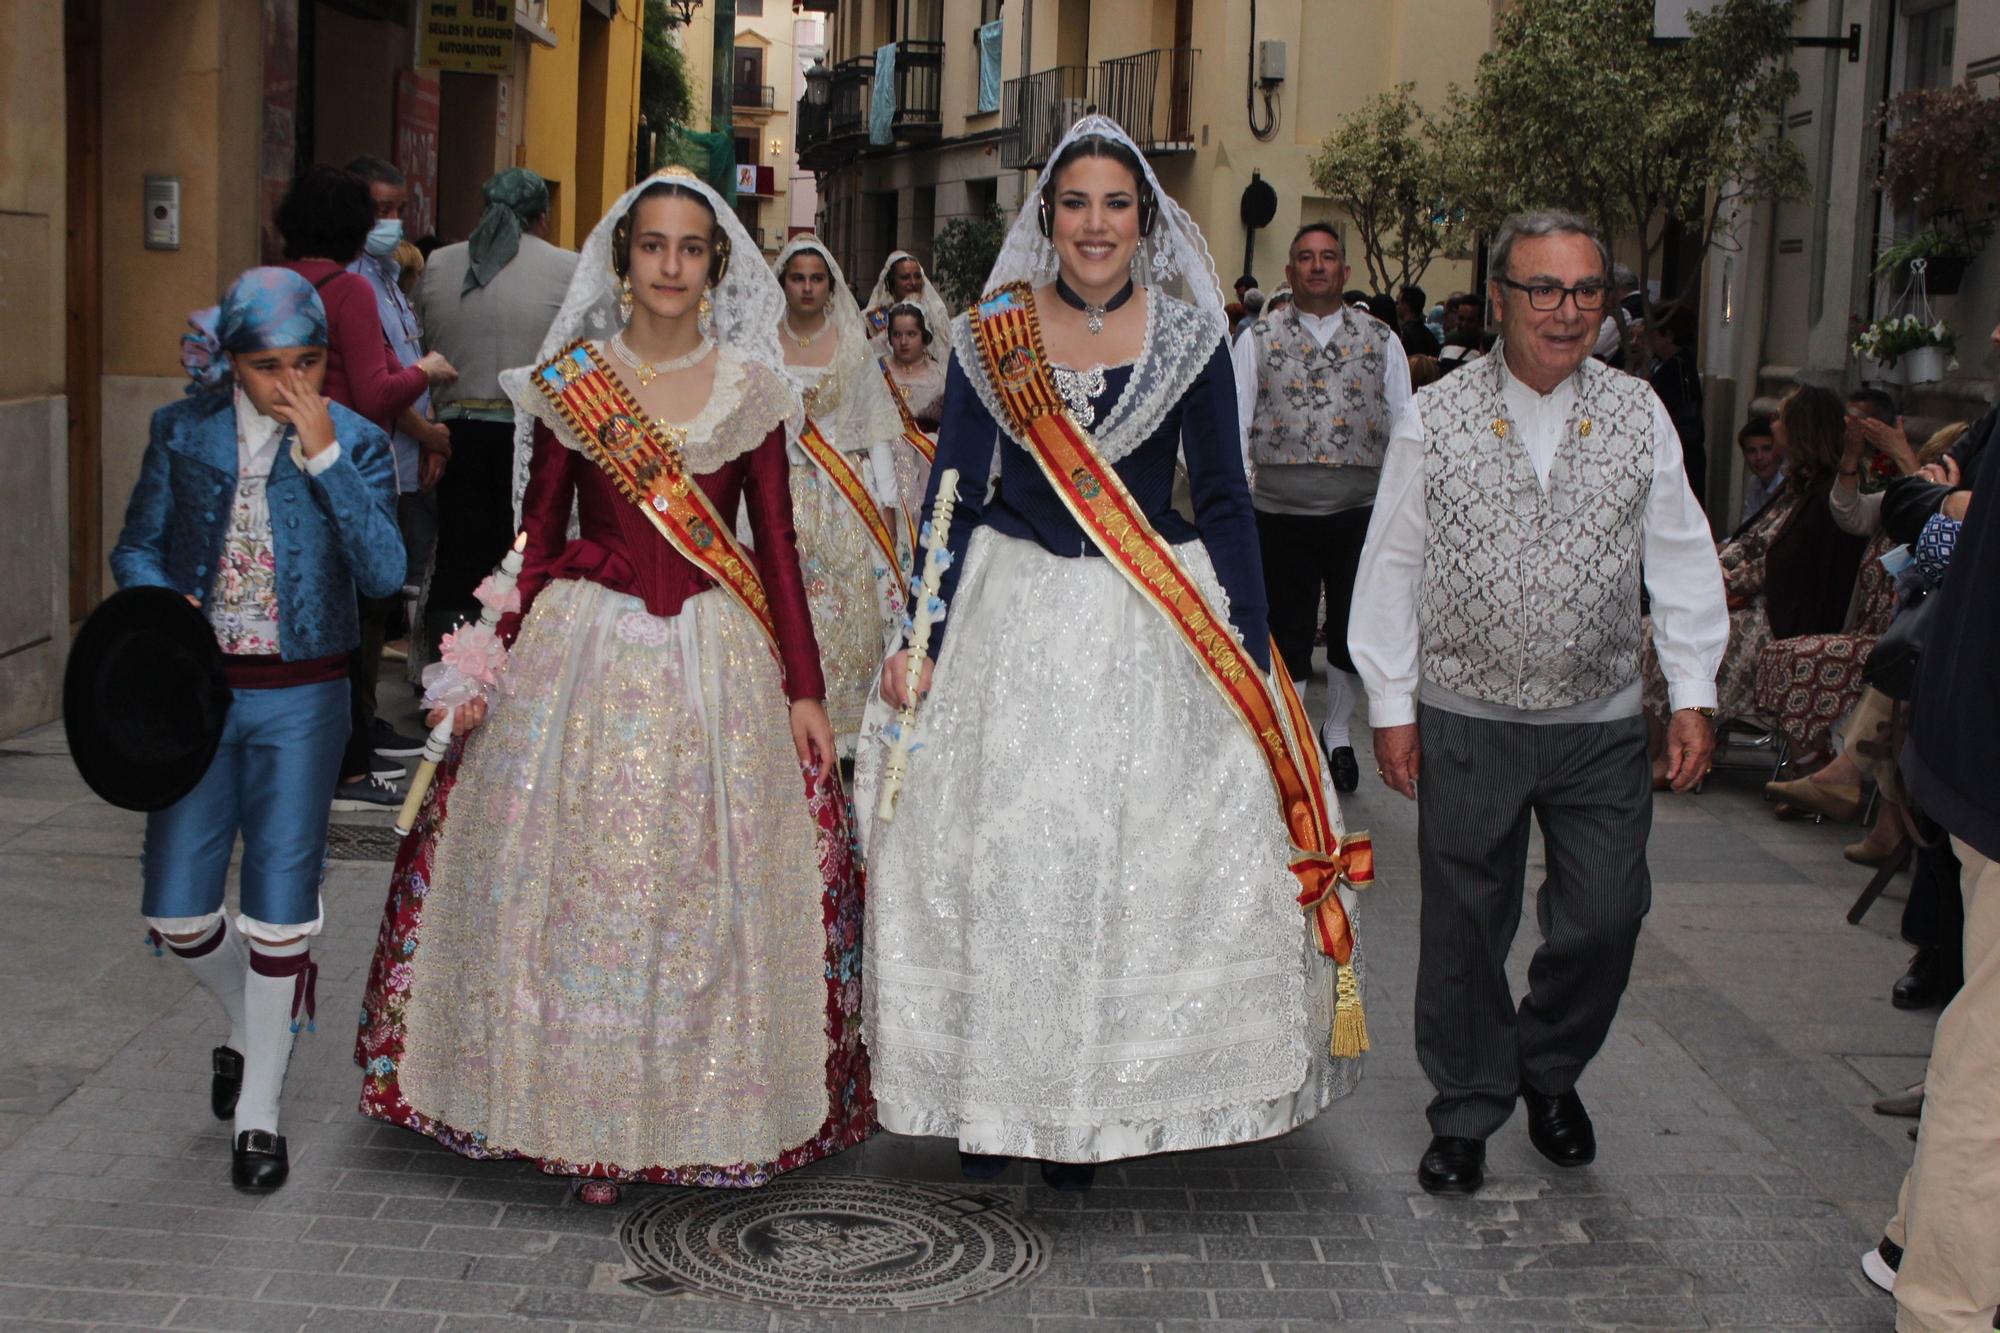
point(1560, 1128)
point(982, 1166)
point(258, 1161)
point(226, 1083)
point(1069, 1177)
point(1918, 988)
point(1452, 1166)
point(1346, 772)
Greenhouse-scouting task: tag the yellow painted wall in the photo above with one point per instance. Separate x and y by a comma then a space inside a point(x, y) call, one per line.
point(31, 204)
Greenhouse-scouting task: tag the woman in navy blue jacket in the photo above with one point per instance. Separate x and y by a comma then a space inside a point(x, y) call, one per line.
point(267, 507)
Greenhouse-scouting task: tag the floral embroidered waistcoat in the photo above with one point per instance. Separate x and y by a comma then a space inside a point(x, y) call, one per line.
point(1530, 595)
point(1321, 404)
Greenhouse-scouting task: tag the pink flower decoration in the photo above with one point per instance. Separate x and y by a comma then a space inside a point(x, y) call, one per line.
point(475, 652)
point(498, 594)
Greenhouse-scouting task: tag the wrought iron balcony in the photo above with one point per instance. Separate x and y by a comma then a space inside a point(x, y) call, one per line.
point(919, 90)
point(1036, 110)
point(751, 95)
point(833, 133)
point(1151, 95)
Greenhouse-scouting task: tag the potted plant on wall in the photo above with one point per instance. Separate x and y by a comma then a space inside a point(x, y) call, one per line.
point(1906, 349)
point(1941, 161)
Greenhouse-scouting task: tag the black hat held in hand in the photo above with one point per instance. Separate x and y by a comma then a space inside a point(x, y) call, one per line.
point(144, 698)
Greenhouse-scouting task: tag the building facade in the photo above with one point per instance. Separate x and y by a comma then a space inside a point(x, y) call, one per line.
point(145, 145)
point(1777, 307)
point(983, 89)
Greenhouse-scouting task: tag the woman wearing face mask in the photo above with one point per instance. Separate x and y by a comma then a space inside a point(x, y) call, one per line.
point(639, 922)
point(843, 478)
point(253, 452)
point(1084, 935)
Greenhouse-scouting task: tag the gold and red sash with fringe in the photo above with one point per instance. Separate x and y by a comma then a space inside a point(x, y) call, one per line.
point(1008, 332)
point(645, 464)
point(839, 470)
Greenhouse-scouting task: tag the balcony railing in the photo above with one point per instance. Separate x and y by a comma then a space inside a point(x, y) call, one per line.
point(919, 90)
point(853, 81)
point(1036, 110)
point(1150, 94)
point(751, 95)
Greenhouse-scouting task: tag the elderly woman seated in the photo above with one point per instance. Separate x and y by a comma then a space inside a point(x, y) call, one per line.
point(1789, 571)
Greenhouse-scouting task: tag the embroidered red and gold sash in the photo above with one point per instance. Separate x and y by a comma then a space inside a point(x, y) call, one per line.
point(913, 435)
point(645, 464)
point(840, 470)
point(1008, 333)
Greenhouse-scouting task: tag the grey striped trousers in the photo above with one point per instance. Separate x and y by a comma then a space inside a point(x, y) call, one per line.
point(1590, 787)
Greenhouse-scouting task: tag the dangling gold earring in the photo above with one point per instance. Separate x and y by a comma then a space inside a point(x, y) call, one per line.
point(625, 299)
point(705, 315)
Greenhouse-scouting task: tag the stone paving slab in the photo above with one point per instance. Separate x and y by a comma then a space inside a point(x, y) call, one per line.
point(1740, 1173)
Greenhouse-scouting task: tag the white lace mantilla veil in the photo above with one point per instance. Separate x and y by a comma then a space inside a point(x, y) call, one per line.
point(930, 300)
point(864, 415)
point(744, 320)
point(1181, 332)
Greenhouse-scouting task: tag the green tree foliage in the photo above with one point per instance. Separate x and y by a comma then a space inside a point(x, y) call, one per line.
point(663, 76)
point(963, 253)
point(1393, 167)
point(1574, 107)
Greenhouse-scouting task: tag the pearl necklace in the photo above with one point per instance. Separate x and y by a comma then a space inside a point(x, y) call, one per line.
point(646, 370)
point(805, 340)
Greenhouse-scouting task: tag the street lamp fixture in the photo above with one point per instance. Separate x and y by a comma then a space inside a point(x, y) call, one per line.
point(684, 10)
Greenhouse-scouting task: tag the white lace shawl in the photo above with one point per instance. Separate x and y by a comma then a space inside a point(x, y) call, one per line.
point(1181, 333)
point(746, 306)
point(748, 400)
point(851, 404)
point(930, 300)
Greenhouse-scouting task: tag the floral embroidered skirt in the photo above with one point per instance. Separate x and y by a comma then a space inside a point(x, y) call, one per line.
point(845, 583)
point(621, 940)
point(1083, 939)
point(1735, 679)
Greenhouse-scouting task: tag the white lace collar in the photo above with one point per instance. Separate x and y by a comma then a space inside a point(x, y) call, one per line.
point(1175, 349)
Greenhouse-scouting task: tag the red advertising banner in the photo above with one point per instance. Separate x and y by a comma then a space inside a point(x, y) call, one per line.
point(416, 151)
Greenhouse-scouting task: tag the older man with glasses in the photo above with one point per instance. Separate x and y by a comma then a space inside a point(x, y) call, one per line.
point(1496, 627)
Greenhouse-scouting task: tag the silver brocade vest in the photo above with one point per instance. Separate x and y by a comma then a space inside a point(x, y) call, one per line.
point(1530, 597)
point(1321, 404)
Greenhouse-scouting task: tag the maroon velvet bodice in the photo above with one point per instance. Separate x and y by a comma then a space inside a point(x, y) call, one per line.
point(619, 548)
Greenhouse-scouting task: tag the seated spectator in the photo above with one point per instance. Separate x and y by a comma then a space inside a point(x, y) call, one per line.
point(1765, 464)
point(1669, 339)
point(1789, 572)
point(1424, 370)
point(1876, 451)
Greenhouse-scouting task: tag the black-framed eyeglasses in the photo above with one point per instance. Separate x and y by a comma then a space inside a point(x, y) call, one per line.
point(1589, 296)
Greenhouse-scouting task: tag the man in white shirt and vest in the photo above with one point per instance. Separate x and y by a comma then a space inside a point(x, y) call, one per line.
point(1318, 386)
point(1496, 625)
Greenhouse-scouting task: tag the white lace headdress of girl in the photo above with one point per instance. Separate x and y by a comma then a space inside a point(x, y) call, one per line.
point(1181, 332)
point(743, 319)
point(929, 299)
point(862, 414)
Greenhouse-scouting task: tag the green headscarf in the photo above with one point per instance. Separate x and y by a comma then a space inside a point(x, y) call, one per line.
point(514, 198)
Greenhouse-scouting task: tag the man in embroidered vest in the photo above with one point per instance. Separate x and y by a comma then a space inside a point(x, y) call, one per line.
point(1499, 590)
point(1318, 385)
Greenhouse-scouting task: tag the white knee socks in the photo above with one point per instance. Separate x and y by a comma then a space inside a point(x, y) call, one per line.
point(218, 961)
point(1333, 733)
point(278, 998)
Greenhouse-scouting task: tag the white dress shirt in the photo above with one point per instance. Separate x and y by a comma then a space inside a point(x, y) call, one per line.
point(1683, 579)
point(1321, 328)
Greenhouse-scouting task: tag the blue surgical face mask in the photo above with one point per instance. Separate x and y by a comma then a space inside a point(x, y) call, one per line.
point(384, 237)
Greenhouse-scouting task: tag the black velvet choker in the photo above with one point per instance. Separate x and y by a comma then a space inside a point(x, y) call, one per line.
point(1094, 314)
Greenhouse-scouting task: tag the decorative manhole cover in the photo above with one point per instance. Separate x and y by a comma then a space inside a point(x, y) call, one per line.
point(361, 842)
point(831, 1243)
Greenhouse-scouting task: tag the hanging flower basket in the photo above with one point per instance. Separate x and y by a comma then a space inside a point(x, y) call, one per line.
point(1923, 365)
point(1877, 372)
point(1906, 349)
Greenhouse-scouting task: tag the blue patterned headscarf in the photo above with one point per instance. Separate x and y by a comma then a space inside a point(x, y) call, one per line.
point(263, 309)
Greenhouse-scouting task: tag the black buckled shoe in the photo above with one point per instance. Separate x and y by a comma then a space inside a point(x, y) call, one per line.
point(1346, 771)
point(258, 1160)
point(226, 1083)
point(1560, 1128)
point(1452, 1166)
point(982, 1166)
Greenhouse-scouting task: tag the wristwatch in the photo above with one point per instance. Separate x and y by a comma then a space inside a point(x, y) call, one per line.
point(1708, 713)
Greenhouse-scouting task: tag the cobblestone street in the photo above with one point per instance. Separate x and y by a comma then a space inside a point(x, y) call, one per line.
point(1740, 1172)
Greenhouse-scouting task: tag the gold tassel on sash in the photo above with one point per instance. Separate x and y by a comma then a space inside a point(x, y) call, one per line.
point(1350, 1025)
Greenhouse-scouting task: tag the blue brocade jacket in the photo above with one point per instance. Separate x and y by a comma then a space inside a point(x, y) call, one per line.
point(332, 535)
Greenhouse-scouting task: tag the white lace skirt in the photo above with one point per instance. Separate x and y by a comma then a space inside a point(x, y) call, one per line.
point(1082, 938)
point(844, 588)
point(623, 956)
